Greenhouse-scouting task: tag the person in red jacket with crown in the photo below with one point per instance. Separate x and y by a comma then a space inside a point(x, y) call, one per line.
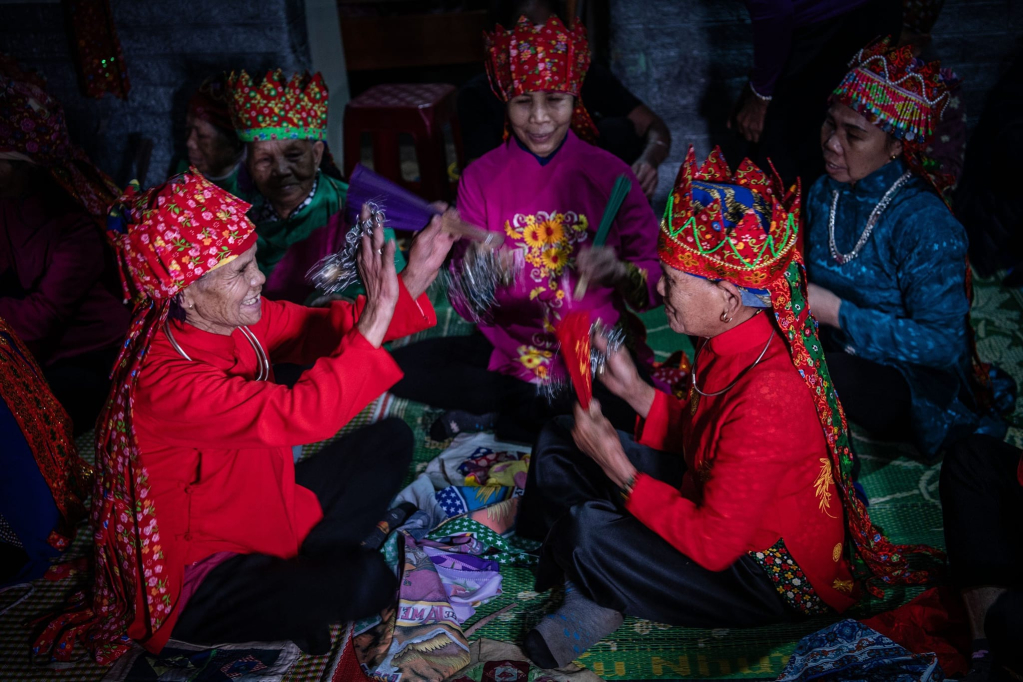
point(731, 508)
point(204, 527)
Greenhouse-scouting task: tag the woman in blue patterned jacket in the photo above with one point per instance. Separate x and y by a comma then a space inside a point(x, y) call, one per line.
point(887, 259)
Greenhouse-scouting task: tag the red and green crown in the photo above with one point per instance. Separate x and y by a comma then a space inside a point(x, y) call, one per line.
point(750, 247)
point(277, 109)
point(895, 91)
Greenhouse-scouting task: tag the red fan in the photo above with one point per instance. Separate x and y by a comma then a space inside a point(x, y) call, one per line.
point(573, 331)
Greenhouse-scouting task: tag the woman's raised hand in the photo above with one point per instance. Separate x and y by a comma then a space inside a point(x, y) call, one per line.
point(429, 249)
point(376, 268)
point(621, 378)
point(600, 264)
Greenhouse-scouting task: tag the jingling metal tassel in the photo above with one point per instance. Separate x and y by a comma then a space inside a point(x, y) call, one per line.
point(615, 340)
point(338, 271)
point(472, 286)
point(554, 386)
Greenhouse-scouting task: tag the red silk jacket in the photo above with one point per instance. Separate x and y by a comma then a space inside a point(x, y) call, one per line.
point(757, 465)
point(217, 445)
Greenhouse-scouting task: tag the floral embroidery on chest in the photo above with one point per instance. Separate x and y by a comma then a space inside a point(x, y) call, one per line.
point(548, 241)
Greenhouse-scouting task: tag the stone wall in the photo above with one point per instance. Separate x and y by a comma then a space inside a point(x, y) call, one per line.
point(170, 47)
point(688, 59)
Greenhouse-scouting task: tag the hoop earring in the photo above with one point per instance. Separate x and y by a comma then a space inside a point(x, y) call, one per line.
point(725, 318)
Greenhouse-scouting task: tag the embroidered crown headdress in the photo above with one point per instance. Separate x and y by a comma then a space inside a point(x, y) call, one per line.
point(748, 241)
point(895, 91)
point(755, 247)
point(277, 109)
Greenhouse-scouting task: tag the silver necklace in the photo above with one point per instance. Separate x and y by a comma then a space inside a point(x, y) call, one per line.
point(262, 374)
point(875, 215)
point(741, 374)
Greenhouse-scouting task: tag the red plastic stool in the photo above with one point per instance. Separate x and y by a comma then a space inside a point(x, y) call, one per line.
point(385, 111)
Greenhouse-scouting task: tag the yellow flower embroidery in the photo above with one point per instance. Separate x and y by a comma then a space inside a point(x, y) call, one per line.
point(836, 553)
point(555, 260)
point(843, 585)
point(533, 357)
point(822, 487)
point(533, 236)
point(551, 231)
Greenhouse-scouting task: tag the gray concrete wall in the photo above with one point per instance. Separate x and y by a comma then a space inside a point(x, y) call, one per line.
point(688, 59)
point(170, 46)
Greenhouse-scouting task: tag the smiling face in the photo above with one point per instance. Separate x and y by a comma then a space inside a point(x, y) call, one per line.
point(541, 119)
point(284, 171)
point(226, 298)
point(210, 150)
point(854, 148)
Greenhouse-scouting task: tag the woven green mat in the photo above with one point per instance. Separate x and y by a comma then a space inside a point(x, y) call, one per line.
point(902, 490)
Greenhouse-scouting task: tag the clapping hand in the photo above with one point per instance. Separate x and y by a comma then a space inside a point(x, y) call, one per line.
point(429, 249)
point(376, 269)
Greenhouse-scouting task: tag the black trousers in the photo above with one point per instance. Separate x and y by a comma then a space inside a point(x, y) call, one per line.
point(451, 373)
point(255, 597)
point(618, 562)
point(982, 502)
point(818, 60)
point(875, 397)
point(81, 384)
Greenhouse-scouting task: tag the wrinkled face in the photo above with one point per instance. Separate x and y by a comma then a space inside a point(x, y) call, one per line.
point(209, 149)
point(226, 298)
point(541, 119)
point(853, 147)
point(692, 304)
point(284, 171)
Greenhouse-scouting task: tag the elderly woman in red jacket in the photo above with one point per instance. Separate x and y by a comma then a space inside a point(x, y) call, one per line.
point(733, 507)
point(205, 527)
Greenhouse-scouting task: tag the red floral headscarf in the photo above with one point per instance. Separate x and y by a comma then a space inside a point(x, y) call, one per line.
point(760, 252)
point(166, 238)
point(32, 126)
point(547, 57)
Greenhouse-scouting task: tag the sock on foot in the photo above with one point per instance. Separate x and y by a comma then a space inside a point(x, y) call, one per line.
point(454, 422)
point(564, 635)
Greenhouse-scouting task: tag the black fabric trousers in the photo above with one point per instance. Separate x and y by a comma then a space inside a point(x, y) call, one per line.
point(982, 502)
point(817, 62)
point(875, 397)
point(614, 559)
point(81, 384)
point(451, 373)
point(255, 597)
